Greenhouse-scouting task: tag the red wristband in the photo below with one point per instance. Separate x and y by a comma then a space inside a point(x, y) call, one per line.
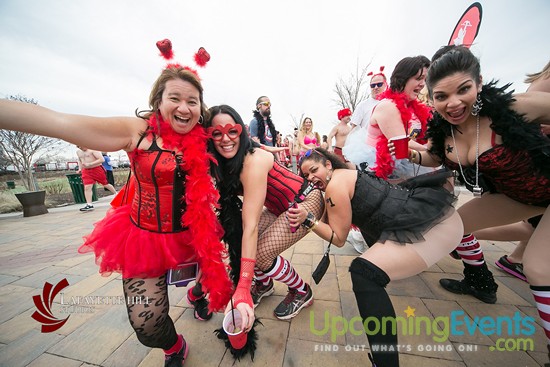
point(242, 293)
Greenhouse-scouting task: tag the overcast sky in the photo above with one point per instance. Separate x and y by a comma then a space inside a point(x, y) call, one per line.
point(98, 57)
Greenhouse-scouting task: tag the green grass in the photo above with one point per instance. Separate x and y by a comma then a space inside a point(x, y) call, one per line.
point(55, 186)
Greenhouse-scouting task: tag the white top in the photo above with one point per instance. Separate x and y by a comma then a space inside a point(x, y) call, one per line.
point(363, 111)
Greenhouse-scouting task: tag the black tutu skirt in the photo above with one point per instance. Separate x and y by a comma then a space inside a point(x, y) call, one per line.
point(403, 212)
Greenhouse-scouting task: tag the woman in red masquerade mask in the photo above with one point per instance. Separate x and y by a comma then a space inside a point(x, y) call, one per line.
point(256, 236)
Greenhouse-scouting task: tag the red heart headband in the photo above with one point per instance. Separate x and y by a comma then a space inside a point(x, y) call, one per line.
point(201, 57)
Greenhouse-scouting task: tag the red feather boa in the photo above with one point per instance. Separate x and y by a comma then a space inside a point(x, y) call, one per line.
point(384, 161)
point(201, 199)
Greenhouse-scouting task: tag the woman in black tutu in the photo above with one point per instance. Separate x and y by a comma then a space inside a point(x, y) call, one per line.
point(402, 242)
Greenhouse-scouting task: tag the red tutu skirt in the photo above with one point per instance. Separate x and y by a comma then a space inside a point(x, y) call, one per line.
point(120, 246)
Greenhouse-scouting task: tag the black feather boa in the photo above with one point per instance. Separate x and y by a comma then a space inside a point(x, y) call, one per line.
point(517, 133)
point(249, 347)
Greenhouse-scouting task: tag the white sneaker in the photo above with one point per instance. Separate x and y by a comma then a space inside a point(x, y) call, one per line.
point(356, 240)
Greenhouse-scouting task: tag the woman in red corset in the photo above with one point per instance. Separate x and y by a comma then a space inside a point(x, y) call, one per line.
point(256, 235)
point(170, 220)
point(494, 141)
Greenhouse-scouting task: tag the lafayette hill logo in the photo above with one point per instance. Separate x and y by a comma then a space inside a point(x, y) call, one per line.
point(74, 304)
point(43, 305)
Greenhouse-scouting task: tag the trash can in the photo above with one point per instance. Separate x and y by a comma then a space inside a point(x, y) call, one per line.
point(77, 187)
point(11, 184)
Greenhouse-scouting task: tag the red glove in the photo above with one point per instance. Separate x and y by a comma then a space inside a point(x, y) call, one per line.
point(242, 293)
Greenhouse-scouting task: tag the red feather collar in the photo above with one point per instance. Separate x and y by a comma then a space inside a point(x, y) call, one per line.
point(384, 161)
point(201, 199)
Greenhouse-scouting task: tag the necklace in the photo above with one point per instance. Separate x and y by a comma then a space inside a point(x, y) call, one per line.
point(476, 190)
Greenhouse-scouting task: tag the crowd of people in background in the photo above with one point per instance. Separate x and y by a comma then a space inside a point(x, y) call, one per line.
point(266, 191)
point(435, 104)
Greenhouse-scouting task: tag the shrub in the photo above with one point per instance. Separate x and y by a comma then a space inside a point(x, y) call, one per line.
point(58, 186)
point(121, 177)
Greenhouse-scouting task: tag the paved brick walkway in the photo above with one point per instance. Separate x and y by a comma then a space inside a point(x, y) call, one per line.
point(43, 248)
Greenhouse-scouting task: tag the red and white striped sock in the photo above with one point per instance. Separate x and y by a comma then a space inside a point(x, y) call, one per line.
point(285, 273)
point(542, 298)
point(470, 250)
point(261, 276)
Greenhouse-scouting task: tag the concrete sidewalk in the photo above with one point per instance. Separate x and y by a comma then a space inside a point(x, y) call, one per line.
point(43, 249)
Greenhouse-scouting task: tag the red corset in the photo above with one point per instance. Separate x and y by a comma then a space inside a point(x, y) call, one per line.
point(282, 187)
point(156, 206)
point(513, 174)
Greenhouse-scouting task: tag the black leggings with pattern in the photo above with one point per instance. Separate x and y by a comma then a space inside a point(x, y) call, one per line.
point(148, 305)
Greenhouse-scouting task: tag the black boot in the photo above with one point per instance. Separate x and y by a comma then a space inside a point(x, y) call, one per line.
point(454, 254)
point(478, 281)
point(200, 304)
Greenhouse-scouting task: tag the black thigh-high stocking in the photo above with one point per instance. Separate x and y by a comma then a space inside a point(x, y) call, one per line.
point(147, 304)
point(373, 301)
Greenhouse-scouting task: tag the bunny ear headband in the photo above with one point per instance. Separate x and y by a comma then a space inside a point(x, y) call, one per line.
point(201, 57)
point(381, 72)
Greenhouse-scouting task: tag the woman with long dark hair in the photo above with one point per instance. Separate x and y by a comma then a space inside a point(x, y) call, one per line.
point(256, 236)
point(495, 143)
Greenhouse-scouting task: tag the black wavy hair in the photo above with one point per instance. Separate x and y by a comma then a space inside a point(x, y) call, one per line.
point(449, 60)
point(517, 134)
point(227, 174)
point(321, 155)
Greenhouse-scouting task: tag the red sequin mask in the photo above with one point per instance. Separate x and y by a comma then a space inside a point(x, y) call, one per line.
point(232, 132)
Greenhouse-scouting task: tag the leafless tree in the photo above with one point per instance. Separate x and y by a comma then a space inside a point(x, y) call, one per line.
point(4, 163)
point(351, 92)
point(19, 149)
point(297, 121)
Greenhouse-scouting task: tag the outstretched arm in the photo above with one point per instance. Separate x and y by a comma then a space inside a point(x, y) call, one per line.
point(421, 157)
point(339, 217)
point(254, 180)
point(269, 149)
point(533, 105)
point(98, 133)
point(338, 209)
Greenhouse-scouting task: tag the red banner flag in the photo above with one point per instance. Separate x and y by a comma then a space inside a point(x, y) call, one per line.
point(467, 27)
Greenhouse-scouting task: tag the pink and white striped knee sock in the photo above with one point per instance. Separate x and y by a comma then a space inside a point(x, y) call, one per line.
point(285, 273)
point(542, 298)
